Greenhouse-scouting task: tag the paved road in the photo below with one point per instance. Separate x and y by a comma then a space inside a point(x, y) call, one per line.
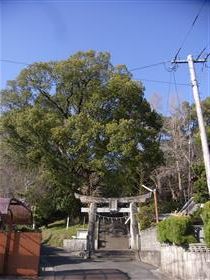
point(59, 265)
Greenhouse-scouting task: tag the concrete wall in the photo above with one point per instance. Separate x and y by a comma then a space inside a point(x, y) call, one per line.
point(148, 240)
point(185, 264)
point(149, 247)
point(151, 257)
point(73, 245)
point(190, 264)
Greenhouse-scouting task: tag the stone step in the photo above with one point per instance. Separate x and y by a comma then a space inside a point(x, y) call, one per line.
point(125, 255)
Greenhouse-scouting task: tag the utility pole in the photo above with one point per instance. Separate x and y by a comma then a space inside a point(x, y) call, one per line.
point(195, 89)
point(155, 202)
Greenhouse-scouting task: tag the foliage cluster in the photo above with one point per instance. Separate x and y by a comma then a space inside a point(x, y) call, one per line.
point(206, 220)
point(146, 216)
point(77, 125)
point(177, 230)
point(200, 188)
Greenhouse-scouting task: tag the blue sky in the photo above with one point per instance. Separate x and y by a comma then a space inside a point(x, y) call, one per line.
point(136, 33)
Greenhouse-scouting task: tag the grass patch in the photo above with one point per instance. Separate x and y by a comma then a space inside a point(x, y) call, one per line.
point(57, 232)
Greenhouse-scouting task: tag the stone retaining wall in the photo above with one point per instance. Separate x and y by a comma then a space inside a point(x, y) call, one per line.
point(186, 264)
point(73, 245)
point(149, 247)
point(151, 257)
point(148, 240)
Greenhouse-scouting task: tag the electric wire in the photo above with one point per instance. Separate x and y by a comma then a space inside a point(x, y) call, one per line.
point(176, 89)
point(134, 69)
point(190, 30)
point(168, 94)
point(203, 50)
point(206, 58)
point(130, 70)
point(14, 62)
point(148, 66)
point(162, 82)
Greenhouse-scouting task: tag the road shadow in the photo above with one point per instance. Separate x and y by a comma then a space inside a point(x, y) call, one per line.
point(49, 250)
point(91, 274)
point(52, 257)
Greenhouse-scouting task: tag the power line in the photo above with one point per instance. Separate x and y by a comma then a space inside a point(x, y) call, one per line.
point(148, 66)
point(14, 62)
point(203, 50)
point(206, 58)
point(133, 69)
point(176, 89)
point(190, 29)
point(162, 82)
point(168, 94)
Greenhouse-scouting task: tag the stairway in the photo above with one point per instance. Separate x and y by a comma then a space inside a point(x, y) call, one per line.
point(115, 255)
point(113, 236)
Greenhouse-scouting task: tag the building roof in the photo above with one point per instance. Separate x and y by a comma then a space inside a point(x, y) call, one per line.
point(14, 211)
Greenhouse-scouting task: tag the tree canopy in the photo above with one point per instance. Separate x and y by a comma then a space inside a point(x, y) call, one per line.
point(81, 123)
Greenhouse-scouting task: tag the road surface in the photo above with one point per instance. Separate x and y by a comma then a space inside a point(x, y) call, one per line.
point(60, 265)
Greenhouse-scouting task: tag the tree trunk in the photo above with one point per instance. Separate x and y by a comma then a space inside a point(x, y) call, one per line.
point(179, 176)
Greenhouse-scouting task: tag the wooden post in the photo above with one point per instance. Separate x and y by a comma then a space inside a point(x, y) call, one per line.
point(156, 206)
point(67, 222)
point(91, 229)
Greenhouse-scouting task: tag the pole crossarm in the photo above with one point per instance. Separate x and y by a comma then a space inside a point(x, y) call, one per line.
point(185, 61)
point(91, 199)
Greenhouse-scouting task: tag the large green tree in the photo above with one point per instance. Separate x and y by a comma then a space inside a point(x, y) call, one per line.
point(83, 123)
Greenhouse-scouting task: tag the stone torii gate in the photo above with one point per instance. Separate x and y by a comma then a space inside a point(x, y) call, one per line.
point(112, 207)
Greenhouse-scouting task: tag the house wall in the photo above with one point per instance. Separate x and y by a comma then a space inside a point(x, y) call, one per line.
point(20, 253)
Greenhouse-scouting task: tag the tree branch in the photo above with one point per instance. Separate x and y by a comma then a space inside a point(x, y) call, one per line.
point(59, 108)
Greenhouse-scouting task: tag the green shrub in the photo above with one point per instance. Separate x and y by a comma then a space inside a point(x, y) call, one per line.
point(206, 220)
point(207, 233)
point(206, 213)
point(200, 188)
point(177, 230)
point(146, 216)
point(196, 217)
point(162, 231)
point(188, 239)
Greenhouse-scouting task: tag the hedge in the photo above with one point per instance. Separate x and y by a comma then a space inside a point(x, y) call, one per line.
point(206, 220)
point(177, 230)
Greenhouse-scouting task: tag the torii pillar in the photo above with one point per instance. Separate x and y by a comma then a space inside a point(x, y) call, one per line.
point(91, 228)
point(134, 241)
